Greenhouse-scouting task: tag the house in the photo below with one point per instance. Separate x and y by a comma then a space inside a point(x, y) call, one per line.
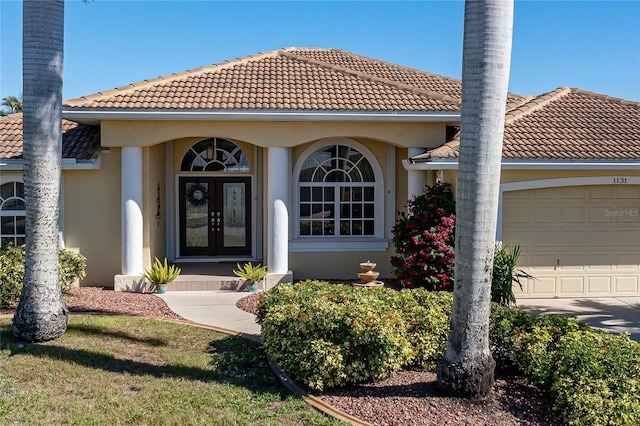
point(301, 158)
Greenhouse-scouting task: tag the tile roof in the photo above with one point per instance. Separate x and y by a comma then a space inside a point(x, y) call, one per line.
point(562, 124)
point(565, 124)
point(79, 141)
point(287, 79)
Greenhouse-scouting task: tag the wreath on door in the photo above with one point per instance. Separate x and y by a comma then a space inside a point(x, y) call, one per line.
point(197, 195)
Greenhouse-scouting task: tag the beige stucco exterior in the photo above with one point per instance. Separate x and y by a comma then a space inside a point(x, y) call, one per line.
point(92, 219)
point(386, 142)
point(92, 202)
point(270, 133)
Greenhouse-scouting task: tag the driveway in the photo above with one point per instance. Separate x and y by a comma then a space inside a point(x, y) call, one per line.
point(615, 314)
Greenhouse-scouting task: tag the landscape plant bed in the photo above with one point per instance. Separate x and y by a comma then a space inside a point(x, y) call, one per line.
point(333, 338)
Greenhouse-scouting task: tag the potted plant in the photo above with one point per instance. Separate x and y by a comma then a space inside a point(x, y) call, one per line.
point(253, 274)
point(161, 274)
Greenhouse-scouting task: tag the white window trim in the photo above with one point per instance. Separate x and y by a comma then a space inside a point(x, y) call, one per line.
point(376, 242)
point(12, 178)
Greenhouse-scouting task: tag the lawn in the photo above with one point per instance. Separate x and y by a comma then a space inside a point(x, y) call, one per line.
point(113, 370)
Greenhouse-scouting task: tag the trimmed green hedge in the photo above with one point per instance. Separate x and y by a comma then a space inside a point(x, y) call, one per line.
point(327, 335)
point(71, 266)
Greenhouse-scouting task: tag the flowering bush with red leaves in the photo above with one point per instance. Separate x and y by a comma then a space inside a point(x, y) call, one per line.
point(424, 238)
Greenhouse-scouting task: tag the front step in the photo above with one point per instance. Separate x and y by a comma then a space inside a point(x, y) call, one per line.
point(206, 283)
point(203, 276)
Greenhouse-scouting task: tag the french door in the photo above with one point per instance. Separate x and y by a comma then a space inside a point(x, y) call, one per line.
point(215, 216)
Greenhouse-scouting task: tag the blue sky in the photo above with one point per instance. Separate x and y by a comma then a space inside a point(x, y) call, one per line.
point(593, 45)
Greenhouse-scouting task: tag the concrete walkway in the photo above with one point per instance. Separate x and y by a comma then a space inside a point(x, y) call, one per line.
point(615, 314)
point(218, 309)
point(215, 308)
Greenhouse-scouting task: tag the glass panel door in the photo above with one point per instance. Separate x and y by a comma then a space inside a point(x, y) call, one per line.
point(215, 216)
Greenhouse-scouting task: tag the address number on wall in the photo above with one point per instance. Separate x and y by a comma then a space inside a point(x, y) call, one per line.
point(619, 180)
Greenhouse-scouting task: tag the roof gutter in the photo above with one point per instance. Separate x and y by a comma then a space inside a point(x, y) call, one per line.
point(67, 164)
point(246, 115)
point(452, 164)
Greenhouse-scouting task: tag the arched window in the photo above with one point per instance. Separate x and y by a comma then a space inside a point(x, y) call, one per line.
point(214, 155)
point(338, 190)
point(12, 227)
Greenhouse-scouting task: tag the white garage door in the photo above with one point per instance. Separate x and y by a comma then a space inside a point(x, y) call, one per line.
point(576, 241)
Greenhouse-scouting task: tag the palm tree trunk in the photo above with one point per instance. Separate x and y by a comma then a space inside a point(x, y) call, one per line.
point(467, 368)
point(42, 314)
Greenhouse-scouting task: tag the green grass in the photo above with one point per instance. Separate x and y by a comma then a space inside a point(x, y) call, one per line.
point(139, 371)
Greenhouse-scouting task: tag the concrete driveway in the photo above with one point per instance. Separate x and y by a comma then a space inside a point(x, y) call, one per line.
point(615, 314)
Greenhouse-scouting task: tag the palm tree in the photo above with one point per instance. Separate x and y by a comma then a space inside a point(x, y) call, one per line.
point(42, 314)
point(467, 368)
point(13, 103)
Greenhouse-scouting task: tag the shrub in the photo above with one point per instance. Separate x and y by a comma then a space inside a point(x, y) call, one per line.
point(597, 379)
point(332, 335)
point(71, 266)
point(11, 275)
point(506, 328)
point(428, 326)
point(505, 274)
point(424, 240)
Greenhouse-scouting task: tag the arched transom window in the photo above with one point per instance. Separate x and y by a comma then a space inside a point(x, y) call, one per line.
point(214, 155)
point(337, 194)
point(12, 227)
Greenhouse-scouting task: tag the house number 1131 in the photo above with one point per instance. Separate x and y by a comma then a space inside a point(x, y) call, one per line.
point(619, 180)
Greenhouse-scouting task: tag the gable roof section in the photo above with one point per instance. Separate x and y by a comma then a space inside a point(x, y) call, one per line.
point(79, 141)
point(565, 124)
point(287, 80)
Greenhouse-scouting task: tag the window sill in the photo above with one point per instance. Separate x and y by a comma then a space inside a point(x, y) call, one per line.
point(326, 245)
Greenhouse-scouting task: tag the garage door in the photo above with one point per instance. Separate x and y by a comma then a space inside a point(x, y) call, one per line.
point(576, 241)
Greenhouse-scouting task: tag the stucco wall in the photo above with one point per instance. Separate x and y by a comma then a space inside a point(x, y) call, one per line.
point(265, 134)
point(92, 218)
point(339, 265)
point(154, 194)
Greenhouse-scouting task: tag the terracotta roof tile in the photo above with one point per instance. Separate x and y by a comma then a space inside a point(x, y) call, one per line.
point(565, 124)
point(287, 79)
point(79, 141)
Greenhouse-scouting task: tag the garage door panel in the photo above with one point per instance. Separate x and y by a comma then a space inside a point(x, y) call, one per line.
point(543, 287)
point(601, 192)
point(629, 261)
point(572, 237)
point(627, 284)
point(599, 286)
point(627, 216)
point(573, 214)
point(571, 261)
point(572, 285)
point(544, 215)
point(593, 231)
point(631, 192)
point(516, 215)
point(599, 214)
point(627, 238)
point(542, 238)
point(539, 262)
point(598, 238)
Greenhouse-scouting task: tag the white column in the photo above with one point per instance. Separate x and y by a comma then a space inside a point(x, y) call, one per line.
point(280, 264)
point(277, 216)
point(416, 179)
point(132, 226)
